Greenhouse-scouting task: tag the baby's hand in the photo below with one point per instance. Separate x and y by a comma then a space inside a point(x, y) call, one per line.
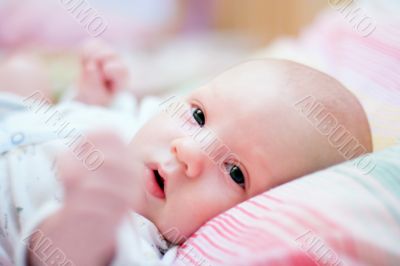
point(84, 229)
point(103, 74)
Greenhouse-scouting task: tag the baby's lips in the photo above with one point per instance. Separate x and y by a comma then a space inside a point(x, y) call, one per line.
point(159, 168)
point(163, 174)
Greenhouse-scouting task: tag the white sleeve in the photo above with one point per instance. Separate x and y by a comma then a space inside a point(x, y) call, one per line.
point(29, 229)
point(30, 192)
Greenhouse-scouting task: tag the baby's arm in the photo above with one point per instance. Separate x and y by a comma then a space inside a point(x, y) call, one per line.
point(83, 231)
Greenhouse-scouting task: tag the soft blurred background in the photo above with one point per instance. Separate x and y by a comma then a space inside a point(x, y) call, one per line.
point(168, 42)
point(178, 44)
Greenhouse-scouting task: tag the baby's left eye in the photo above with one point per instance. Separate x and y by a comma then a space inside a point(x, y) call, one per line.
point(236, 174)
point(198, 115)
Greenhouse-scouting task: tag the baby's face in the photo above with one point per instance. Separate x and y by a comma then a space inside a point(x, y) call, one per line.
point(200, 156)
point(232, 139)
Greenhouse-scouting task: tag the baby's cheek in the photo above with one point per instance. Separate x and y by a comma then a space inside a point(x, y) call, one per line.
point(191, 207)
point(211, 207)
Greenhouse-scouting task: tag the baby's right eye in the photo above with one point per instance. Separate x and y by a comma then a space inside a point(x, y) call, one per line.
point(198, 115)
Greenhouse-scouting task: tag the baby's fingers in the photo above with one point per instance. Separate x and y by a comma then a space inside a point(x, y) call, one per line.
point(116, 74)
point(91, 85)
point(96, 51)
point(92, 74)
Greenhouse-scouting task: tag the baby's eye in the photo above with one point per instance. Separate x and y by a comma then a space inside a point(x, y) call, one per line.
point(198, 115)
point(236, 174)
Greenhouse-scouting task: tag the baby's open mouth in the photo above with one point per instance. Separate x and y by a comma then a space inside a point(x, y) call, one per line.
point(159, 179)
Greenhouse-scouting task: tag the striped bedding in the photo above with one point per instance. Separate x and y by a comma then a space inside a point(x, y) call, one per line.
point(339, 216)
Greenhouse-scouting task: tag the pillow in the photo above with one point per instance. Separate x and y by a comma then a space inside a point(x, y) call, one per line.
point(338, 216)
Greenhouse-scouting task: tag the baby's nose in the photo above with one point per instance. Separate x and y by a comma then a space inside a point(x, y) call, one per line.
point(189, 153)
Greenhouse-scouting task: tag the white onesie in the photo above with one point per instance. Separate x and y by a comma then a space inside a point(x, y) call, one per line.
point(32, 132)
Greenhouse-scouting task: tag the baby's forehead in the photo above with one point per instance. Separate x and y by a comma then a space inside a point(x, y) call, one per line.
point(237, 116)
point(240, 98)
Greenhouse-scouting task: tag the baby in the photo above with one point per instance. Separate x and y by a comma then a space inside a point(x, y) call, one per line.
point(241, 134)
